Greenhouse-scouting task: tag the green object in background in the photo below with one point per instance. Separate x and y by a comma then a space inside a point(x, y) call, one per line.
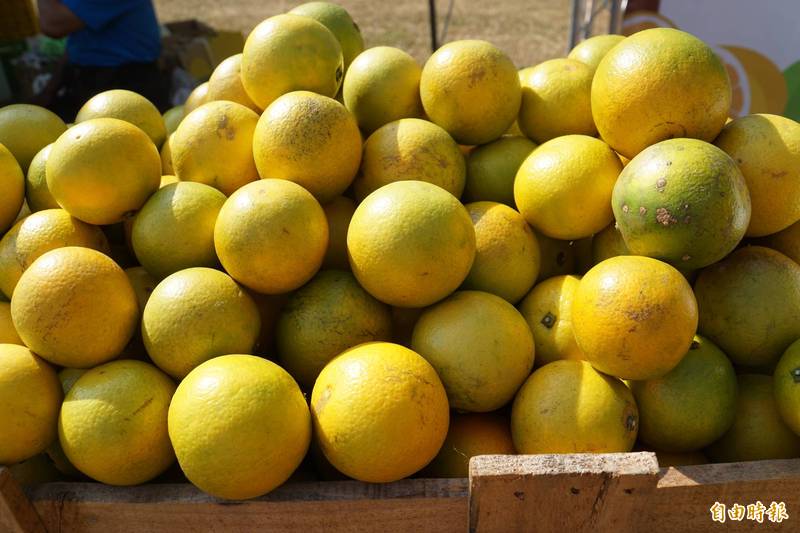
point(792, 76)
point(12, 48)
point(52, 47)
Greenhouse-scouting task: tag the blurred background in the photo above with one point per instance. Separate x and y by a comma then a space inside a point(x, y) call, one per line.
point(530, 31)
point(758, 41)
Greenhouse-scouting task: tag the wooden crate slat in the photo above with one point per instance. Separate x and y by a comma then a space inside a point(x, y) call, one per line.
point(17, 515)
point(571, 493)
point(438, 505)
point(624, 492)
point(685, 494)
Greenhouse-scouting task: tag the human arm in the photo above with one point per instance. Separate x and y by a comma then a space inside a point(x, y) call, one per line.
point(57, 20)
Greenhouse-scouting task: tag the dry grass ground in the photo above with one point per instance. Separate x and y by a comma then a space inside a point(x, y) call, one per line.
point(530, 31)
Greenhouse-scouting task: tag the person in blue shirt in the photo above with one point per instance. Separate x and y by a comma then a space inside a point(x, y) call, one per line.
point(111, 44)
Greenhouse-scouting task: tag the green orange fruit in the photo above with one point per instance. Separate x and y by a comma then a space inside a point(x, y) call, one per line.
point(750, 305)
point(682, 201)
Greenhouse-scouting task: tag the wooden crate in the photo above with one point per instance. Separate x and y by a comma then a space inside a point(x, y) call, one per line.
point(544, 493)
point(420, 505)
point(624, 492)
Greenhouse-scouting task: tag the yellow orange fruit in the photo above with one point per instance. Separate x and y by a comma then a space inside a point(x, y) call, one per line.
point(381, 86)
point(339, 22)
point(380, 412)
point(240, 426)
point(196, 98)
point(31, 397)
point(410, 149)
point(168, 179)
point(143, 284)
point(471, 89)
point(758, 432)
point(411, 243)
point(39, 233)
point(548, 311)
point(750, 305)
point(593, 49)
point(195, 315)
point(767, 150)
point(84, 319)
point(480, 346)
point(103, 170)
point(471, 434)
point(68, 377)
point(23, 212)
point(563, 188)
point(556, 100)
point(12, 187)
point(174, 230)
point(338, 212)
point(37, 195)
point(491, 169)
point(172, 118)
point(569, 407)
point(659, 84)
point(288, 53)
point(225, 83)
point(608, 243)
point(167, 168)
point(507, 253)
point(113, 424)
point(634, 317)
point(271, 235)
point(327, 316)
point(8, 333)
point(25, 129)
point(214, 145)
point(128, 106)
point(311, 140)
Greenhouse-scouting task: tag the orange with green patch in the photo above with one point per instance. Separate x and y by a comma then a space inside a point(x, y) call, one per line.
point(682, 201)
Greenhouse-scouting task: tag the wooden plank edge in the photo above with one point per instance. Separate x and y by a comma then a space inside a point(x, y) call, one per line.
point(675, 499)
point(17, 514)
point(457, 488)
point(618, 464)
point(726, 473)
point(436, 505)
point(633, 463)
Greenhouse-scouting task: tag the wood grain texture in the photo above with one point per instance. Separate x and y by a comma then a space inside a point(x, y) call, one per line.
point(624, 492)
point(563, 493)
point(546, 493)
point(17, 515)
point(685, 494)
point(415, 505)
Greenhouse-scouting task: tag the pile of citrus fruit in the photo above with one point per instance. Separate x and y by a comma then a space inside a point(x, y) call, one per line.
point(335, 262)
